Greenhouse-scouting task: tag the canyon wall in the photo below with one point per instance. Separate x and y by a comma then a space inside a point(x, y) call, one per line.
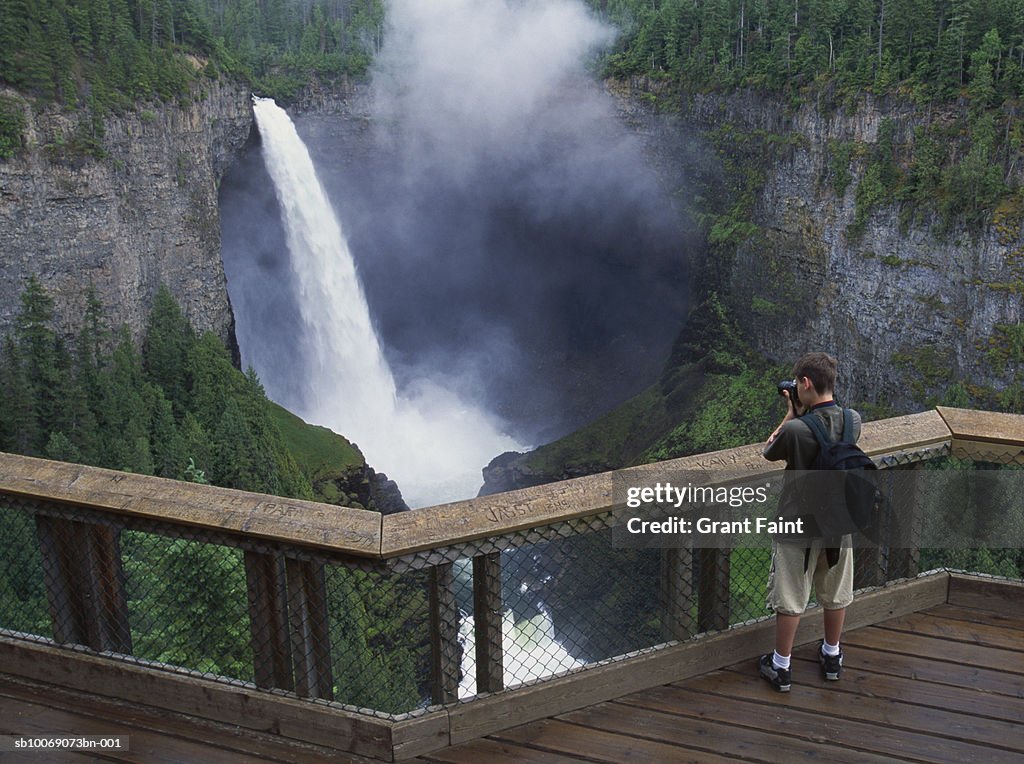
point(125, 208)
point(912, 306)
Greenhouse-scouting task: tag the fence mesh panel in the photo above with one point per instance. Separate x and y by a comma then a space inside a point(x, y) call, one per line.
point(22, 592)
point(431, 627)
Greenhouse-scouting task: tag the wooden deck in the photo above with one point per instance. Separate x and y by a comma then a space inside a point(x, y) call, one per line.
point(942, 685)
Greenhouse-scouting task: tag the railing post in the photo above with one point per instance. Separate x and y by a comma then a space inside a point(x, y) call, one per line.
point(85, 586)
point(444, 635)
point(310, 637)
point(487, 617)
point(905, 558)
point(713, 589)
point(268, 620)
point(677, 593)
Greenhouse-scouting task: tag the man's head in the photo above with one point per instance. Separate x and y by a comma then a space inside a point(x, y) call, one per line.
point(817, 372)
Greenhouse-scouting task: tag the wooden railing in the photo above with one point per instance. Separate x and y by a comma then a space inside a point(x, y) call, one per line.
point(80, 511)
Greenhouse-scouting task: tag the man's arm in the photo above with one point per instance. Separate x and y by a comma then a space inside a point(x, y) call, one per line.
point(777, 447)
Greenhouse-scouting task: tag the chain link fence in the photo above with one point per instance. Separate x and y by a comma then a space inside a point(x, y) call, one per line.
point(392, 636)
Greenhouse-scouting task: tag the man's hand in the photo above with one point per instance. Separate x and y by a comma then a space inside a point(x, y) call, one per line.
point(790, 414)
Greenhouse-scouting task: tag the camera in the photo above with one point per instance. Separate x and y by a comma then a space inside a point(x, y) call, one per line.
point(790, 384)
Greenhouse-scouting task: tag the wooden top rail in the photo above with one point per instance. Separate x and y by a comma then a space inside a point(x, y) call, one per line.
point(271, 518)
point(486, 516)
point(367, 534)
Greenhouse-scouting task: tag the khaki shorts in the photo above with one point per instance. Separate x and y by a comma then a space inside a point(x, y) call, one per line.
point(789, 585)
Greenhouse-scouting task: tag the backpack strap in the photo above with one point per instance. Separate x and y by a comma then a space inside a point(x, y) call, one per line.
point(816, 426)
point(848, 426)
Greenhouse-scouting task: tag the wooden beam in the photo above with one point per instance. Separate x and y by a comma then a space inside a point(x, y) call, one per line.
point(487, 516)
point(488, 614)
point(713, 600)
point(245, 707)
point(420, 733)
point(983, 593)
point(367, 534)
point(677, 590)
point(267, 589)
point(85, 584)
point(445, 663)
point(350, 531)
point(903, 433)
point(308, 627)
point(984, 426)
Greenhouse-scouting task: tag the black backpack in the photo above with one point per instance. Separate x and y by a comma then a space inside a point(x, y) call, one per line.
point(841, 493)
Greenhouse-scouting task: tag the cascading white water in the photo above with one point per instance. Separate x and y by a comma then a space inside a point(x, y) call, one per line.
point(530, 651)
point(345, 348)
point(432, 443)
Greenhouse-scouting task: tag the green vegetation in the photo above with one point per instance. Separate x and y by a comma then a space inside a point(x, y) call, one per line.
point(12, 124)
point(328, 460)
point(177, 402)
point(103, 54)
point(925, 52)
point(961, 513)
point(930, 50)
point(177, 408)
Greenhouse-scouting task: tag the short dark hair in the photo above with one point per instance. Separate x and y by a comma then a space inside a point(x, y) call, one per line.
point(820, 368)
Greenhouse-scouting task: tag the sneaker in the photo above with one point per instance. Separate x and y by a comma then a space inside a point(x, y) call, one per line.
point(831, 665)
point(777, 677)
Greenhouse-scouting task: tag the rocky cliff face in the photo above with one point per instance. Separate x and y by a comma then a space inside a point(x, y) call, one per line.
point(908, 308)
point(128, 211)
point(911, 308)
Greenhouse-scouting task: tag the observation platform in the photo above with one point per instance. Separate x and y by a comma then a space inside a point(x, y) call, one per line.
point(942, 684)
point(211, 625)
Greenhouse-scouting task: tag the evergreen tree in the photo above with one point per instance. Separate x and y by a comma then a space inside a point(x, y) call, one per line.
point(169, 339)
point(125, 410)
point(37, 356)
point(21, 428)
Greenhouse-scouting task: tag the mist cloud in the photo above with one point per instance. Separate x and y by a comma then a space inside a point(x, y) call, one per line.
point(465, 81)
point(514, 230)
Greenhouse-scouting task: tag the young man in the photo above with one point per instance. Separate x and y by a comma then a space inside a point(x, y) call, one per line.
point(797, 563)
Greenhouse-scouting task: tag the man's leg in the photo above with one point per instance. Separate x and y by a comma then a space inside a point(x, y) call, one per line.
point(835, 592)
point(834, 620)
point(789, 586)
point(785, 633)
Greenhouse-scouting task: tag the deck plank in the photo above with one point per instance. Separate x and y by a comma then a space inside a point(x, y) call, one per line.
point(973, 615)
point(958, 695)
point(825, 724)
point(856, 679)
point(497, 752)
point(934, 625)
point(602, 746)
point(865, 707)
point(878, 638)
point(697, 733)
point(933, 668)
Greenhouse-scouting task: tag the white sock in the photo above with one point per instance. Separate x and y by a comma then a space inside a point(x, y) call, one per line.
point(780, 661)
point(828, 649)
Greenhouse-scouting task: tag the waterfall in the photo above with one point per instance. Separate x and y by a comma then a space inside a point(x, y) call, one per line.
point(531, 651)
point(427, 439)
